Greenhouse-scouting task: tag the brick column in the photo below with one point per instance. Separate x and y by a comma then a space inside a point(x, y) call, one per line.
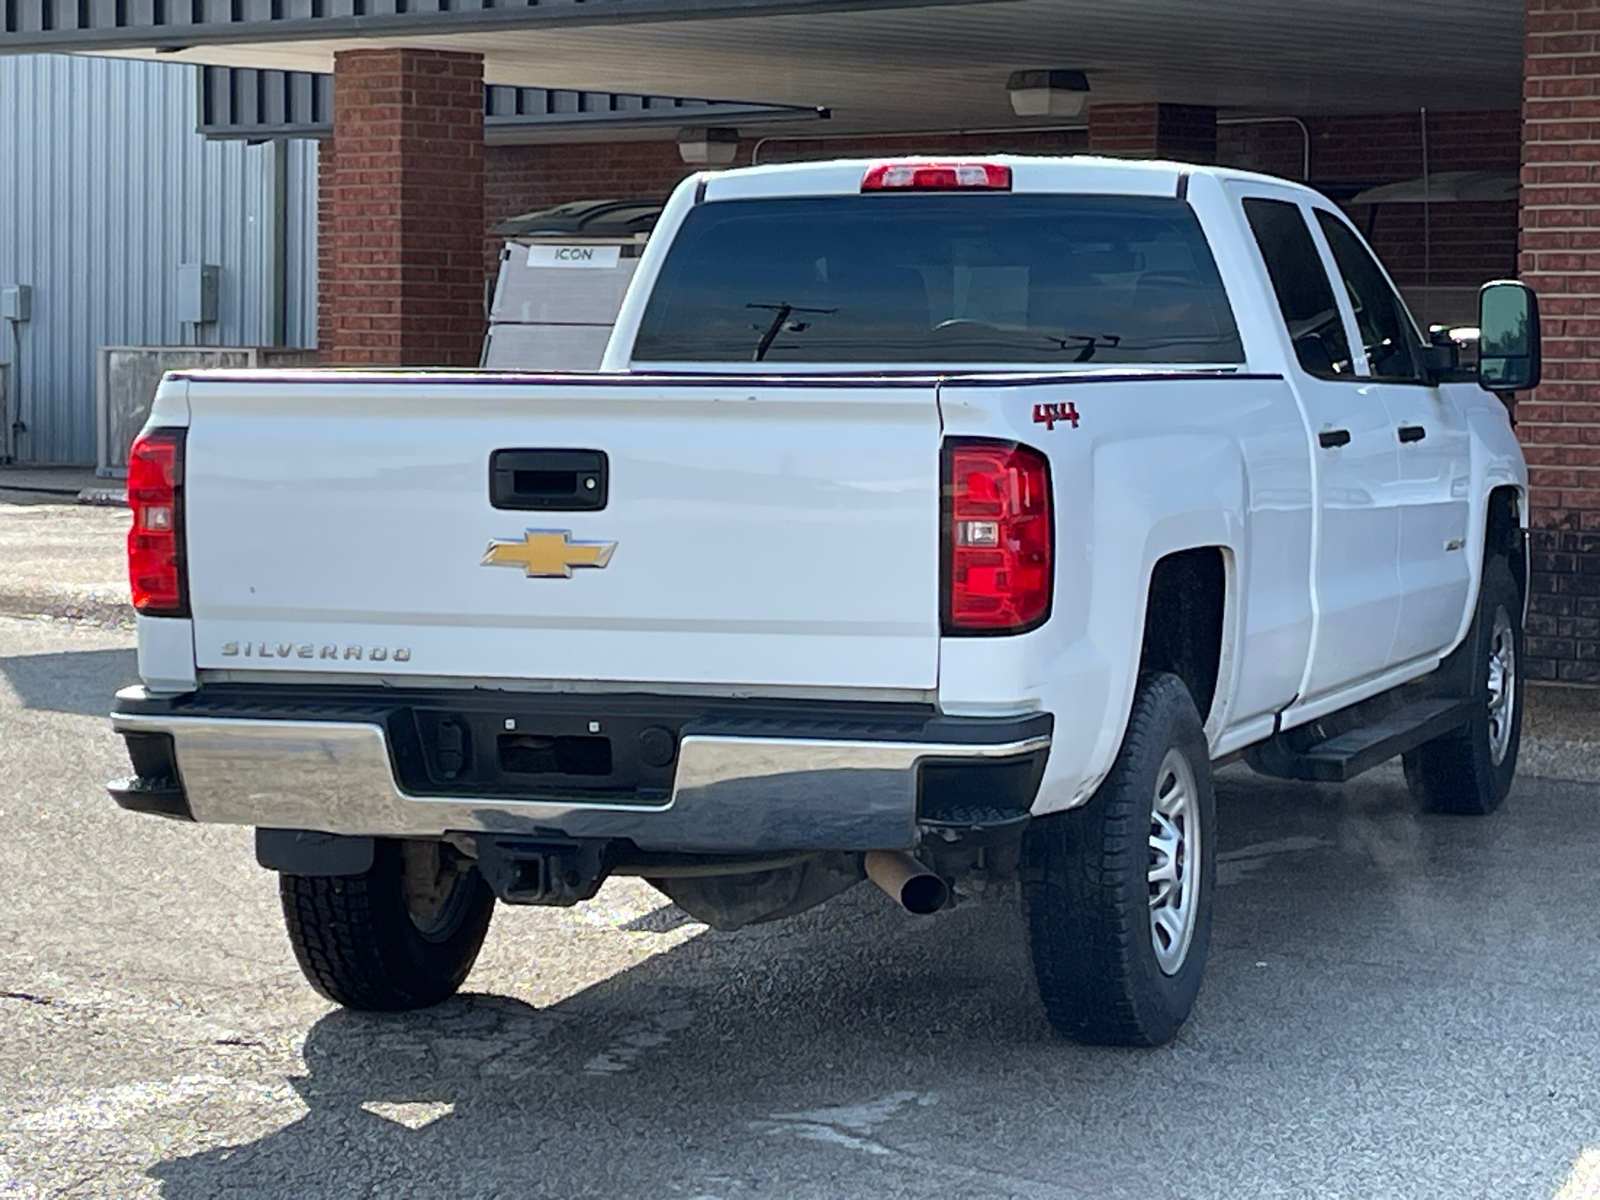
point(1560, 257)
point(402, 270)
point(1185, 132)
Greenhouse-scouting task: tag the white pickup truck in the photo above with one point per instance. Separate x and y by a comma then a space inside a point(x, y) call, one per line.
point(929, 522)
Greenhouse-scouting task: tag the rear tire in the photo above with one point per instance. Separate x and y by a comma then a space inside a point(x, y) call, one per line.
point(401, 936)
point(1469, 771)
point(1117, 893)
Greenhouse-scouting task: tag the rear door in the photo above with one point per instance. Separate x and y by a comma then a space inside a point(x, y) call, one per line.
point(1354, 457)
point(751, 536)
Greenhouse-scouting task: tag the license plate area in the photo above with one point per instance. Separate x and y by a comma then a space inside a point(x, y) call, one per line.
point(536, 756)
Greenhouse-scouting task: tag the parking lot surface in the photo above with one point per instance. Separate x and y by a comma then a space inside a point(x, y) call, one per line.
point(1395, 1006)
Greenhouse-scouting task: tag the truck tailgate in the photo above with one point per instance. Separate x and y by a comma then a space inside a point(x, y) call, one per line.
point(769, 535)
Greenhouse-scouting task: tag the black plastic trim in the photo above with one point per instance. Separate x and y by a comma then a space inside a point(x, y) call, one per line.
point(864, 378)
point(511, 479)
point(307, 852)
point(973, 793)
point(154, 786)
point(160, 798)
point(710, 716)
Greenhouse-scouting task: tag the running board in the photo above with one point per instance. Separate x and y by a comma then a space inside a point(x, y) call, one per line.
point(1346, 755)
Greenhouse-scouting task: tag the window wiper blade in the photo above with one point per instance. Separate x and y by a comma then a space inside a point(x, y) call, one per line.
point(781, 314)
point(1088, 343)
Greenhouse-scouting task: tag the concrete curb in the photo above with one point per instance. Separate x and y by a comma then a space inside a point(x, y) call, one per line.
point(1543, 758)
point(113, 614)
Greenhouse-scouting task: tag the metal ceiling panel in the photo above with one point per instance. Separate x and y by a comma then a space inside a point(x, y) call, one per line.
point(937, 68)
point(38, 25)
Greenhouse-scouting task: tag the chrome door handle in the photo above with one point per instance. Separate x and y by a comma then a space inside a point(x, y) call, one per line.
point(1412, 433)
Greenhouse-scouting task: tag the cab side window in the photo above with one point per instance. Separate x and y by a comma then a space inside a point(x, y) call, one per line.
point(1387, 333)
point(1301, 285)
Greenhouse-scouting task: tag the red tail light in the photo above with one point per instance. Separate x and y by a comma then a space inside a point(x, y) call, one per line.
point(155, 542)
point(999, 540)
point(937, 177)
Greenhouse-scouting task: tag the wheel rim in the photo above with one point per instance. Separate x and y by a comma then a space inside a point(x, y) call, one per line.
point(1502, 685)
point(1175, 852)
point(437, 890)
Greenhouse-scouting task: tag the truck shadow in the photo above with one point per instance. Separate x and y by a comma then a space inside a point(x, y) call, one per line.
point(854, 1050)
point(78, 681)
point(701, 1042)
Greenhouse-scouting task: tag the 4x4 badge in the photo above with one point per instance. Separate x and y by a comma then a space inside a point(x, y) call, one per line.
point(1048, 414)
point(548, 554)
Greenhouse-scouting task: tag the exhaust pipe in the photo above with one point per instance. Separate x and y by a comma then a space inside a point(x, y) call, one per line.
point(906, 881)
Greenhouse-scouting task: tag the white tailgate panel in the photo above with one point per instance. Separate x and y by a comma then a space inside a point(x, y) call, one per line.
point(770, 536)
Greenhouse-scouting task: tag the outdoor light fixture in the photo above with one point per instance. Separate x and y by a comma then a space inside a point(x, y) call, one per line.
point(1048, 93)
point(712, 146)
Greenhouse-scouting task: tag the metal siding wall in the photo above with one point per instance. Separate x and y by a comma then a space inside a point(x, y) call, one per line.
point(300, 282)
point(105, 190)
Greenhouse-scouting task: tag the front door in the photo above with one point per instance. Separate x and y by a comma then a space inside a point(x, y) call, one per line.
point(1356, 576)
point(1433, 446)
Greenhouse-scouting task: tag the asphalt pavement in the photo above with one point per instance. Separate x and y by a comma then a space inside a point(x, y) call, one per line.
point(1396, 1005)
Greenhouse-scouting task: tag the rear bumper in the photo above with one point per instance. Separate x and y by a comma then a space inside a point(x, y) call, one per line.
point(829, 777)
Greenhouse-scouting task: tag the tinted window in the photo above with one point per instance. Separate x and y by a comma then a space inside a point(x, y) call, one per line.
point(940, 279)
point(1386, 329)
point(1304, 294)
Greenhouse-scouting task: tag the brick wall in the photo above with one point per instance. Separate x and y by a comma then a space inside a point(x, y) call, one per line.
point(402, 209)
point(519, 179)
point(1470, 242)
point(1022, 141)
point(1185, 132)
point(1560, 422)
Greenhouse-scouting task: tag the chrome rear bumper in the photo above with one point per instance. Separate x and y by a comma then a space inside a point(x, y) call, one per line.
point(730, 794)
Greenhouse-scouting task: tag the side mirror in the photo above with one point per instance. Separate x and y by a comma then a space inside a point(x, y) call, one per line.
point(1508, 337)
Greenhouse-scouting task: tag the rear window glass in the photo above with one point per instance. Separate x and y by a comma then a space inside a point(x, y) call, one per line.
point(940, 279)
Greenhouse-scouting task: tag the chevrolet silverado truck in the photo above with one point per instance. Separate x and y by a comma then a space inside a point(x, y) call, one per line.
point(942, 523)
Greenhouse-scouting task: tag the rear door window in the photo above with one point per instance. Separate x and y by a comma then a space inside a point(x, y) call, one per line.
point(940, 279)
point(1305, 296)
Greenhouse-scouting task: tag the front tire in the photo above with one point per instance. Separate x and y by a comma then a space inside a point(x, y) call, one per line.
point(401, 936)
point(1117, 893)
point(1468, 772)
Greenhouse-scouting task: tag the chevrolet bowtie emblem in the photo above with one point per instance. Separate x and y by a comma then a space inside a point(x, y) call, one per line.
point(548, 554)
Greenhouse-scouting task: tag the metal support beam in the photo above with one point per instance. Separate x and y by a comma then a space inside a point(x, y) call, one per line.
point(240, 102)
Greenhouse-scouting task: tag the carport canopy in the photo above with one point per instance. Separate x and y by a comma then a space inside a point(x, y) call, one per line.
point(877, 64)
